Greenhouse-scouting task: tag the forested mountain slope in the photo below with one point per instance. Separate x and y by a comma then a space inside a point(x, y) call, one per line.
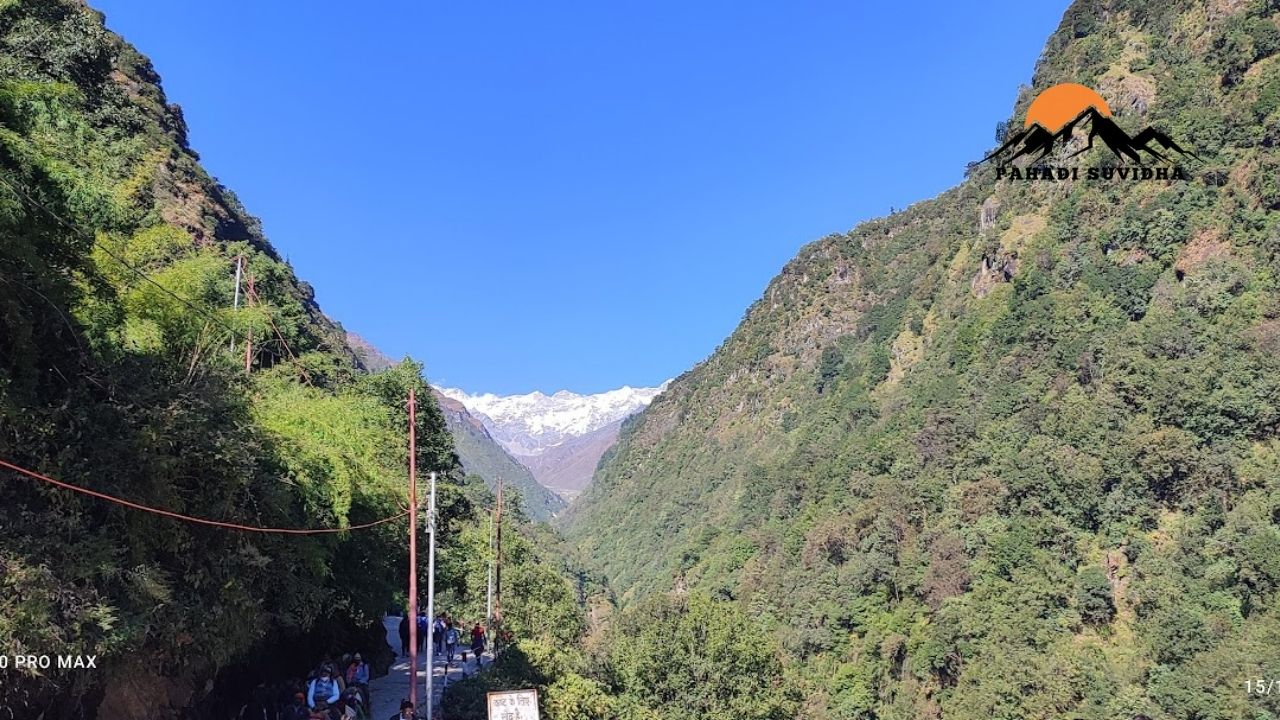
point(1011, 452)
point(118, 374)
point(480, 454)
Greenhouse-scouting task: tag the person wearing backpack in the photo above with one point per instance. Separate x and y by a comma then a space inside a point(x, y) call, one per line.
point(450, 641)
point(437, 634)
point(325, 688)
point(424, 625)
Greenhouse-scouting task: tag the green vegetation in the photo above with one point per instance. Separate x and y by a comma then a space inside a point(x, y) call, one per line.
point(117, 256)
point(1011, 452)
point(672, 656)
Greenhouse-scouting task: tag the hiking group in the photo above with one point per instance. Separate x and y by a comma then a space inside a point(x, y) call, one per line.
point(445, 635)
point(339, 689)
point(335, 690)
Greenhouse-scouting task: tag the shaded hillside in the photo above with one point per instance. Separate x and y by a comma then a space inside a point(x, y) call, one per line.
point(1013, 451)
point(125, 370)
point(481, 455)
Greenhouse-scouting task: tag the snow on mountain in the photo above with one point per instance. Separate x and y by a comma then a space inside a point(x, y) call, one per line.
point(559, 437)
point(527, 425)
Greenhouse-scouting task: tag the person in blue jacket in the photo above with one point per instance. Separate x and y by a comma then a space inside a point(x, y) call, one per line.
point(424, 626)
point(326, 687)
point(358, 680)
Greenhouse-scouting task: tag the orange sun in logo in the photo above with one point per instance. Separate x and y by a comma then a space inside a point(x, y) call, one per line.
point(1061, 104)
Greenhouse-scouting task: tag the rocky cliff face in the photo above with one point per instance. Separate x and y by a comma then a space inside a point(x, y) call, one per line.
point(370, 357)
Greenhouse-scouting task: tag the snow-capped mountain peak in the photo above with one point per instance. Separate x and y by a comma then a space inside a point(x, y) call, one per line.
point(528, 424)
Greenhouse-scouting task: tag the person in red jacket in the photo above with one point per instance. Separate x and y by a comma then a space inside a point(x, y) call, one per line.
point(477, 641)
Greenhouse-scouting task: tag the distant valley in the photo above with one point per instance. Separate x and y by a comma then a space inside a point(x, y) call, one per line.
point(478, 452)
point(481, 455)
point(545, 446)
point(559, 437)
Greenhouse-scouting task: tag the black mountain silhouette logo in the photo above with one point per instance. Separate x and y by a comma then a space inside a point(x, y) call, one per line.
point(1035, 139)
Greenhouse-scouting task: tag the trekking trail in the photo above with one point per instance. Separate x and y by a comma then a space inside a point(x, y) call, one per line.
point(388, 690)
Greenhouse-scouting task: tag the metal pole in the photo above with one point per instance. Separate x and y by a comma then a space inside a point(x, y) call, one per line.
point(431, 596)
point(488, 608)
point(235, 305)
point(497, 572)
point(248, 341)
point(413, 555)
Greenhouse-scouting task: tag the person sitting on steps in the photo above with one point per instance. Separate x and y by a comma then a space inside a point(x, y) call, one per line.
point(358, 677)
point(297, 710)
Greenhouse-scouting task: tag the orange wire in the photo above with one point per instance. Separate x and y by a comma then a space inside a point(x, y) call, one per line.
point(189, 518)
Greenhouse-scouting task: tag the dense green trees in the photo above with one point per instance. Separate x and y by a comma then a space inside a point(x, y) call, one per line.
point(1009, 452)
point(672, 656)
point(117, 256)
point(696, 657)
point(1093, 597)
point(1012, 452)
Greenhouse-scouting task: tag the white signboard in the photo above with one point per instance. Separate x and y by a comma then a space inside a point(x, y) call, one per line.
point(513, 705)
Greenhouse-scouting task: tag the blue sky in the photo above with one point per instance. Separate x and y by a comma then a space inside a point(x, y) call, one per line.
point(574, 195)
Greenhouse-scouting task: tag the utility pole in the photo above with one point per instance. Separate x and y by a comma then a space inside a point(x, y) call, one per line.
point(413, 558)
point(488, 608)
point(497, 572)
point(431, 598)
point(235, 305)
point(248, 342)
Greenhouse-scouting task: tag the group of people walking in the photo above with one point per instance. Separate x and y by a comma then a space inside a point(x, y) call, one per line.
point(335, 690)
point(338, 691)
point(446, 636)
